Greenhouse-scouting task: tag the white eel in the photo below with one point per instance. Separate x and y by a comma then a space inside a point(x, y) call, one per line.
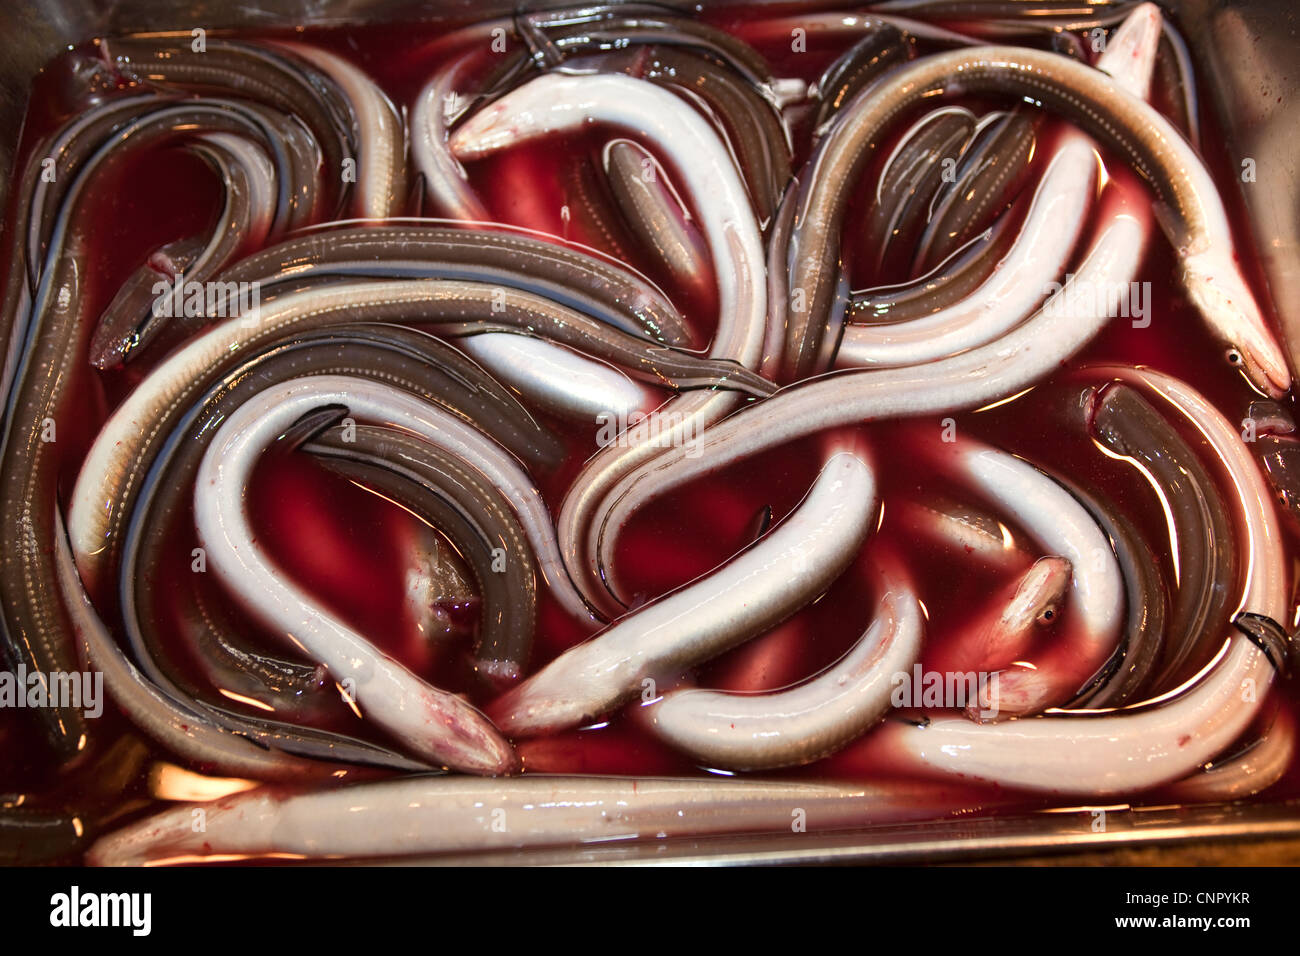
point(1188, 206)
point(382, 140)
point(1005, 627)
point(707, 174)
point(752, 592)
point(1018, 285)
point(1135, 749)
point(953, 524)
point(990, 373)
point(736, 731)
point(445, 179)
point(560, 380)
point(1042, 250)
point(432, 723)
point(1063, 527)
point(431, 815)
point(262, 188)
point(117, 455)
point(1254, 770)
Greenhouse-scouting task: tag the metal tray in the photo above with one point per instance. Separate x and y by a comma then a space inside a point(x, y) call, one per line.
point(1246, 53)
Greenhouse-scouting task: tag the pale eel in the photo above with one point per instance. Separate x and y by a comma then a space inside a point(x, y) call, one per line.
point(1187, 205)
point(115, 464)
point(1061, 526)
point(380, 138)
point(439, 104)
point(986, 374)
point(282, 687)
point(800, 724)
point(1005, 627)
point(1162, 740)
point(755, 590)
point(559, 380)
point(1259, 765)
point(748, 120)
point(1017, 286)
point(958, 525)
point(426, 815)
point(1040, 252)
point(554, 104)
point(432, 723)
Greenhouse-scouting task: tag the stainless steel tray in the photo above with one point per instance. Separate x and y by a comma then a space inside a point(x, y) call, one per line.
point(1246, 53)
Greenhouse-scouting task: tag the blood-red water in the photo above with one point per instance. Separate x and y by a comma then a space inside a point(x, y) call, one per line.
point(351, 548)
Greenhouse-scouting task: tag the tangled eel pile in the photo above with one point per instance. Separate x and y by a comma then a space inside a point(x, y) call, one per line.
point(993, 173)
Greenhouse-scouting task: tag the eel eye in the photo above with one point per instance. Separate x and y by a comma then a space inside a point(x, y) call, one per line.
point(1046, 616)
point(1234, 357)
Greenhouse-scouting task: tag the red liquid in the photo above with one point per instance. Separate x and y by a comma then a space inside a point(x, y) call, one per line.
point(348, 547)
